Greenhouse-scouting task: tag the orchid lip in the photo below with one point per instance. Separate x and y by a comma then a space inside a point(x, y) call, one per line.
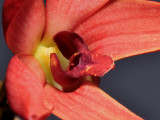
point(67, 82)
point(82, 62)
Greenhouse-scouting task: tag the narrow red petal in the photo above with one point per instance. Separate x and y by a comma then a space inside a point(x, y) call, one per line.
point(24, 89)
point(123, 28)
point(23, 23)
point(64, 15)
point(87, 102)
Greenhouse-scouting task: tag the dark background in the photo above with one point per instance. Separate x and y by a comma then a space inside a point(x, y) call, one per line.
point(135, 81)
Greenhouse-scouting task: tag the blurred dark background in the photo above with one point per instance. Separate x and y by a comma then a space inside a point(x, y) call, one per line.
point(135, 81)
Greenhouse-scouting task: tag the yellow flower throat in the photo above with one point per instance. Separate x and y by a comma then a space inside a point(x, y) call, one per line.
point(42, 54)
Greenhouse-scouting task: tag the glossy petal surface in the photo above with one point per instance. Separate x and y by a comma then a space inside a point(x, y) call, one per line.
point(24, 89)
point(23, 23)
point(64, 15)
point(123, 28)
point(87, 102)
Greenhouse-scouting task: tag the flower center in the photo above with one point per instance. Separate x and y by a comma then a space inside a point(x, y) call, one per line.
point(69, 61)
point(42, 54)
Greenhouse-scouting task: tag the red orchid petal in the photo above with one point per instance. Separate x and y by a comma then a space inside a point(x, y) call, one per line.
point(34, 65)
point(24, 89)
point(87, 102)
point(64, 15)
point(23, 23)
point(123, 28)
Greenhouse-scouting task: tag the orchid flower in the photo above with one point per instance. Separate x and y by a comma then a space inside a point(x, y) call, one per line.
point(62, 49)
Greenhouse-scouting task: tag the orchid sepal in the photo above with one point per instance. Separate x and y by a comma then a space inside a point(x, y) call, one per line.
point(88, 101)
point(133, 31)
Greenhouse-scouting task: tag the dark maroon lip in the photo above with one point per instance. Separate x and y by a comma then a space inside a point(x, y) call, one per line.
point(82, 62)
